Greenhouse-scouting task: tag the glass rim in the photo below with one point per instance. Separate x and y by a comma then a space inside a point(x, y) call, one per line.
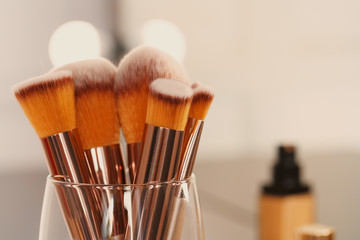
point(58, 180)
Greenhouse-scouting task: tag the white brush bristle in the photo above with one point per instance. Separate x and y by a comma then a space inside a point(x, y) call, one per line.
point(90, 72)
point(148, 63)
point(199, 88)
point(171, 88)
point(40, 80)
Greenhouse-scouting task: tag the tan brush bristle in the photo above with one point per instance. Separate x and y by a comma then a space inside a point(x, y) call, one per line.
point(168, 104)
point(202, 99)
point(48, 102)
point(136, 71)
point(96, 114)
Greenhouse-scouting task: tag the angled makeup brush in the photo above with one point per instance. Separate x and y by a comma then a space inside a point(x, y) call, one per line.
point(167, 112)
point(48, 103)
point(202, 98)
point(97, 118)
point(135, 73)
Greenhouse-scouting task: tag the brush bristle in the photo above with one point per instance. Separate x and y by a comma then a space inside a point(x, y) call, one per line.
point(136, 71)
point(168, 104)
point(96, 114)
point(202, 98)
point(48, 102)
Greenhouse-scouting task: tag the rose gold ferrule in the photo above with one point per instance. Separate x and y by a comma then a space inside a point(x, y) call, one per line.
point(133, 155)
point(193, 132)
point(106, 164)
point(65, 157)
point(160, 154)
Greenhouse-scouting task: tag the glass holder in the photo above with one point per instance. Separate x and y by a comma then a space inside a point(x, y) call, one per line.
point(153, 211)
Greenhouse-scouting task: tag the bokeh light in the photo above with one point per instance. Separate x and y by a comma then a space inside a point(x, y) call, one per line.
point(73, 41)
point(166, 36)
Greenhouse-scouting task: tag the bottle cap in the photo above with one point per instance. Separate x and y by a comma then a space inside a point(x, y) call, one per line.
point(315, 232)
point(286, 174)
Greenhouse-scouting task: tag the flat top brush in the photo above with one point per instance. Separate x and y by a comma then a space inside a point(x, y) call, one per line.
point(202, 98)
point(169, 104)
point(34, 96)
point(48, 103)
point(97, 117)
point(167, 113)
point(135, 72)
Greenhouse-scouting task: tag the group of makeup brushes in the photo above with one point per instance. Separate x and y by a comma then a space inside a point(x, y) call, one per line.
point(79, 109)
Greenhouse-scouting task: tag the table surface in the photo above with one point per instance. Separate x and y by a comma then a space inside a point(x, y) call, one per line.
point(228, 193)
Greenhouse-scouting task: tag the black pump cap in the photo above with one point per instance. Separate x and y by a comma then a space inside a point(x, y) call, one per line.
point(286, 174)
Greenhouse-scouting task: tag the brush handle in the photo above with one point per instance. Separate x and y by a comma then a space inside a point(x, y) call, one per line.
point(66, 160)
point(174, 225)
point(133, 155)
point(159, 162)
point(106, 164)
point(192, 137)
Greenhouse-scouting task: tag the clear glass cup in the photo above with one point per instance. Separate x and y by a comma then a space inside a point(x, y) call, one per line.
point(154, 211)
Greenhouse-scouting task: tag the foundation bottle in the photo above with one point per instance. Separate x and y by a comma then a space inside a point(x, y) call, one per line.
point(315, 232)
point(286, 203)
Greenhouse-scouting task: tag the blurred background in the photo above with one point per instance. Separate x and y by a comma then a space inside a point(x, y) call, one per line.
point(284, 71)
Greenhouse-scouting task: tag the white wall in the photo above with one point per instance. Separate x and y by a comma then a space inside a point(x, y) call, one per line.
point(25, 29)
point(283, 71)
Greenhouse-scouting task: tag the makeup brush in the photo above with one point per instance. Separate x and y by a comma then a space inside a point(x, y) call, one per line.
point(135, 72)
point(167, 113)
point(202, 98)
point(48, 103)
point(99, 129)
point(97, 118)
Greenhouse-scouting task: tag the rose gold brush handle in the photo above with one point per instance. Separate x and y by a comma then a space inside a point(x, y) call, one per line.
point(67, 201)
point(174, 225)
point(65, 159)
point(193, 132)
point(156, 212)
point(133, 152)
point(159, 162)
point(107, 166)
point(80, 212)
point(160, 155)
